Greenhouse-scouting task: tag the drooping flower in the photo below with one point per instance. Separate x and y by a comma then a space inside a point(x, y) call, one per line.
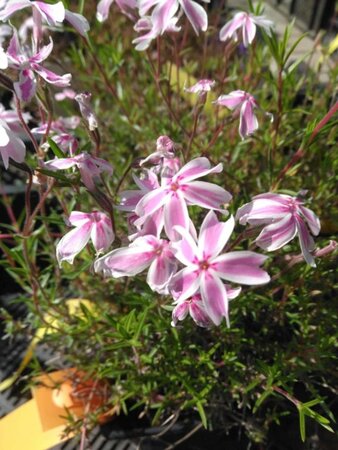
point(146, 251)
point(195, 308)
point(129, 199)
point(10, 116)
point(180, 190)
point(95, 226)
point(86, 109)
point(10, 145)
point(90, 167)
point(243, 103)
point(206, 267)
point(201, 87)
point(60, 131)
point(247, 22)
point(52, 14)
point(152, 30)
point(126, 6)
point(25, 88)
point(165, 10)
point(286, 217)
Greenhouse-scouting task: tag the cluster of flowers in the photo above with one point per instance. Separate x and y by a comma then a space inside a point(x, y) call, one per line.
point(194, 268)
point(191, 267)
point(166, 13)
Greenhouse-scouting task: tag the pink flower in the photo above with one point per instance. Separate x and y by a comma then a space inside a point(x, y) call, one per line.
point(90, 167)
point(95, 226)
point(28, 65)
point(65, 93)
point(286, 217)
point(10, 145)
point(10, 116)
point(146, 251)
point(195, 308)
point(152, 30)
point(52, 14)
point(165, 10)
point(180, 190)
point(129, 199)
point(125, 6)
point(247, 22)
point(244, 103)
point(206, 268)
point(201, 87)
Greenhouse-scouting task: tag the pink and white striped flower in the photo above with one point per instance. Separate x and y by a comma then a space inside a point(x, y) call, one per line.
point(247, 23)
point(52, 14)
point(27, 66)
point(165, 10)
point(181, 190)
point(244, 104)
point(96, 226)
point(90, 167)
point(286, 217)
point(126, 6)
point(195, 308)
point(206, 267)
point(10, 145)
point(201, 87)
point(152, 30)
point(146, 251)
point(10, 116)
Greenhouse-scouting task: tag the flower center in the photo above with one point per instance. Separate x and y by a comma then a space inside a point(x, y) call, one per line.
point(204, 265)
point(174, 186)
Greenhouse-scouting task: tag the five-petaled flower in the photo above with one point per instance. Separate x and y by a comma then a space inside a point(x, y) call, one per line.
point(201, 87)
point(247, 22)
point(90, 167)
point(243, 103)
point(145, 251)
point(206, 267)
point(286, 217)
point(96, 226)
point(180, 190)
point(25, 88)
point(165, 10)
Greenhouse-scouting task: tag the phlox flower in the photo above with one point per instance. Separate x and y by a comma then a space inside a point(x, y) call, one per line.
point(206, 267)
point(195, 308)
point(152, 30)
point(60, 130)
point(125, 6)
point(52, 14)
point(10, 116)
point(244, 103)
point(25, 88)
point(180, 190)
point(145, 251)
point(10, 145)
point(201, 87)
point(95, 226)
point(165, 10)
point(247, 23)
point(285, 217)
point(129, 199)
point(65, 93)
point(90, 167)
